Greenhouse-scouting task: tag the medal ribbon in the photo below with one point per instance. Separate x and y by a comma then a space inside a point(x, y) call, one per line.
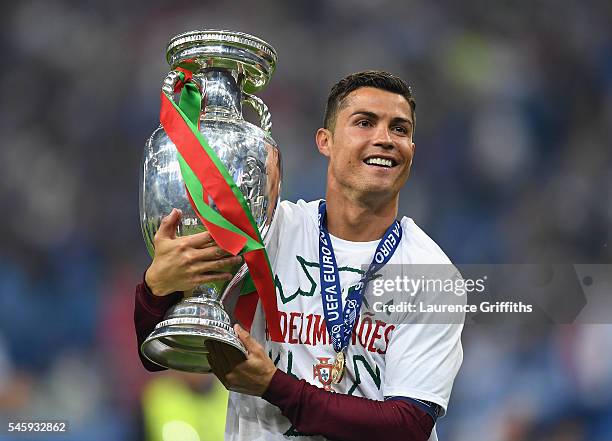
point(233, 227)
point(340, 321)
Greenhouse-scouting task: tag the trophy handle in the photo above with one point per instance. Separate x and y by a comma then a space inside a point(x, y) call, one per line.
point(170, 83)
point(173, 77)
point(261, 109)
point(235, 283)
point(230, 296)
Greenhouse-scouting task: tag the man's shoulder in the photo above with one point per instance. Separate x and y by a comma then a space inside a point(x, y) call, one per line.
point(298, 212)
point(420, 247)
point(300, 206)
point(290, 219)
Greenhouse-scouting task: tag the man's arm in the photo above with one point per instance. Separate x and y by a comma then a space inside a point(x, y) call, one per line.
point(180, 264)
point(315, 411)
point(312, 410)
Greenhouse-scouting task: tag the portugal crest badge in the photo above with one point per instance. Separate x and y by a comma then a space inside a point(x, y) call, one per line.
point(323, 372)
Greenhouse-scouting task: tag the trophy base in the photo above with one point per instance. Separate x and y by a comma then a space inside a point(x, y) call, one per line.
point(180, 343)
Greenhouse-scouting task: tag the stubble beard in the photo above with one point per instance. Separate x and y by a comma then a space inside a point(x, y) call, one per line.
point(363, 192)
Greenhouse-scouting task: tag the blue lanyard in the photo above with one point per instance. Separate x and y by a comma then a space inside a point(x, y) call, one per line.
point(340, 321)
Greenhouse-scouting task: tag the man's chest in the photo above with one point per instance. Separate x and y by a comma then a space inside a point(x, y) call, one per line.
point(307, 351)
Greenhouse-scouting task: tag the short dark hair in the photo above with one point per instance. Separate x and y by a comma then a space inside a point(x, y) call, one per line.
point(371, 78)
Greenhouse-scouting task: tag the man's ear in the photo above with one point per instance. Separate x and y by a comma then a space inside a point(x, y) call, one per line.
point(324, 141)
point(413, 148)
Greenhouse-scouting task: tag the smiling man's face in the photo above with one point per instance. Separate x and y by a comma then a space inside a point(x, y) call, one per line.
point(370, 146)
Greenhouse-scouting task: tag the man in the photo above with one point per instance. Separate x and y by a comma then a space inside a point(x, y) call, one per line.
point(392, 379)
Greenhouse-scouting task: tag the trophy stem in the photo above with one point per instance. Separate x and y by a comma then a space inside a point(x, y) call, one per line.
point(222, 91)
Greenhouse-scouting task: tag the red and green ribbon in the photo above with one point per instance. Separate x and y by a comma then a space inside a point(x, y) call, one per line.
point(232, 227)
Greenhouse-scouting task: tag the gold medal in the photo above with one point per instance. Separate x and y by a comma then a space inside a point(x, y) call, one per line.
point(337, 371)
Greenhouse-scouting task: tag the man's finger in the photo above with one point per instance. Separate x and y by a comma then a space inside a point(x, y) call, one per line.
point(169, 224)
point(249, 342)
point(224, 264)
point(199, 240)
point(213, 277)
point(210, 253)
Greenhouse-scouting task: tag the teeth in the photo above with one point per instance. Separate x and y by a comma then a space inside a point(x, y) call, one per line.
point(379, 161)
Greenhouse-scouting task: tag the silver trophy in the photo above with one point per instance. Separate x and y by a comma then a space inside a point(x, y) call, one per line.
point(227, 67)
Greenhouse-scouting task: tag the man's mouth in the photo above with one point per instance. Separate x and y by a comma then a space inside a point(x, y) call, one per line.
point(380, 162)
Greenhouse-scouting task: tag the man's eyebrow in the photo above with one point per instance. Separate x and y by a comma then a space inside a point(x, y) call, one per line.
point(365, 113)
point(399, 120)
point(372, 115)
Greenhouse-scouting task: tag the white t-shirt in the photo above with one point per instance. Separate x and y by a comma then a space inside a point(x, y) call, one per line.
point(419, 361)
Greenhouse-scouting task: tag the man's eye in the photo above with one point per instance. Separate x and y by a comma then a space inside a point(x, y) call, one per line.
point(401, 129)
point(364, 123)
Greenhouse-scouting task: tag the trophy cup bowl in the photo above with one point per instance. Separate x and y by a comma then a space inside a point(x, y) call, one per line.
point(227, 66)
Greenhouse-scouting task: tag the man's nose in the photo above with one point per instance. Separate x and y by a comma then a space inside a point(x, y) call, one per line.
point(383, 137)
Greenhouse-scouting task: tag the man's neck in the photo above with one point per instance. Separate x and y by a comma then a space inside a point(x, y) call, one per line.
point(359, 221)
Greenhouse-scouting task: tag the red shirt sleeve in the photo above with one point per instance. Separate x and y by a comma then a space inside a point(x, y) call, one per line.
point(149, 310)
point(314, 411)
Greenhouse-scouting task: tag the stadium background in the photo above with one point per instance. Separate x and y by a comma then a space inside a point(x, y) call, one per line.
point(513, 164)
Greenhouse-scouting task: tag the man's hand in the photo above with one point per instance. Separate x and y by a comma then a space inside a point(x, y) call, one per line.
point(251, 376)
point(182, 263)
